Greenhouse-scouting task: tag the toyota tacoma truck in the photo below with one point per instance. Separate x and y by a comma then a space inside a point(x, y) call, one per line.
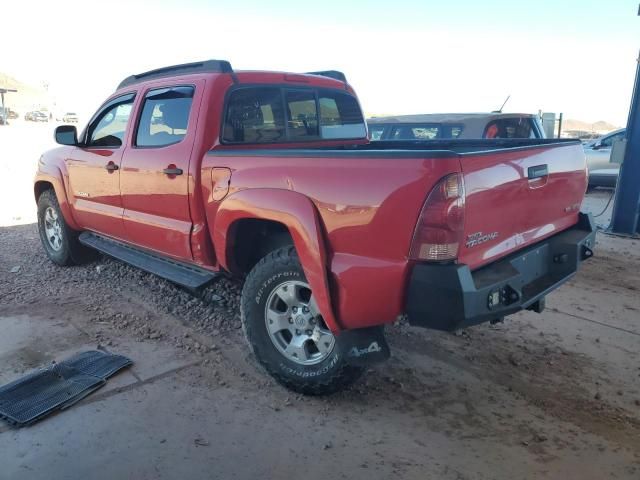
point(195, 171)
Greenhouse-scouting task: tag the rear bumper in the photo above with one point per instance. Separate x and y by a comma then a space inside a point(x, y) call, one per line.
point(448, 297)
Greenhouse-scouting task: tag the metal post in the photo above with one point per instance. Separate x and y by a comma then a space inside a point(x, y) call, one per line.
point(626, 208)
point(560, 125)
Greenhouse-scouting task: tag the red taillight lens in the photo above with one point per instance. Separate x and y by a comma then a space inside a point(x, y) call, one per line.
point(440, 225)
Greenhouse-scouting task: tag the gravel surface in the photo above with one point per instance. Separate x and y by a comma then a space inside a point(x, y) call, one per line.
point(541, 396)
point(555, 395)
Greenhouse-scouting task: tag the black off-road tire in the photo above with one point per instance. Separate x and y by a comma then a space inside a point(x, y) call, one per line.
point(71, 252)
point(329, 376)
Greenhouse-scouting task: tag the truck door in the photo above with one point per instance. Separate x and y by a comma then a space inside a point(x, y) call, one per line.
point(94, 169)
point(154, 180)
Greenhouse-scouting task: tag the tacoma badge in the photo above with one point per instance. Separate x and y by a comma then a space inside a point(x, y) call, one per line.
point(477, 238)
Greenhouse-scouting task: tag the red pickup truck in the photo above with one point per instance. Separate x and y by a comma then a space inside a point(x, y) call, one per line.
point(195, 171)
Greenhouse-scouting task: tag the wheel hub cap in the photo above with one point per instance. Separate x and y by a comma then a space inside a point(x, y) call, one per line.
point(295, 325)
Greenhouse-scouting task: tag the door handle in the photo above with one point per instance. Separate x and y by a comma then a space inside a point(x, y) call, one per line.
point(538, 171)
point(111, 167)
point(172, 171)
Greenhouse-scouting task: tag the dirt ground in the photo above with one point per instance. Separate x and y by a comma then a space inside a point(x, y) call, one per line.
point(555, 395)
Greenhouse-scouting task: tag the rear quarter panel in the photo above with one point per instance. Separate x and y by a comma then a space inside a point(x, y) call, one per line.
point(368, 206)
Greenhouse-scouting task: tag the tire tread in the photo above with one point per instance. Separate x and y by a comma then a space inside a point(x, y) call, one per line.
point(339, 378)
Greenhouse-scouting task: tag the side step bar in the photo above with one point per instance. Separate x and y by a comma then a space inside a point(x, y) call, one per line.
point(184, 274)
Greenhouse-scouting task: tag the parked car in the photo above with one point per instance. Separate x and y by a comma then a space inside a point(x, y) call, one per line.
point(598, 151)
point(455, 125)
point(270, 177)
point(3, 116)
point(36, 116)
point(70, 117)
point(12, 114)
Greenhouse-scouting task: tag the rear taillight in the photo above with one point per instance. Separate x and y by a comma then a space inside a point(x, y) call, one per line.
point(440, 226)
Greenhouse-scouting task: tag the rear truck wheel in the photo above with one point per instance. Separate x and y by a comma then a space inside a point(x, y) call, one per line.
point(60, 242)
point(286, 332)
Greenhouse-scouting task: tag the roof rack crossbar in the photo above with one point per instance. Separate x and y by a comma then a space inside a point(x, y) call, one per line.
point(335, 74)
point(218, 66)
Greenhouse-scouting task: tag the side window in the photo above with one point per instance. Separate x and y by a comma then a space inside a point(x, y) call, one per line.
point(608, 141)
point(273, 115)
point(425, 133)
point(302, 116)
point(340, 116)
point(109, 126)
point(376, 132)
point(455, 131)
point(254, 115)
point(165, 117)
point(415, 132)
point(402, 133)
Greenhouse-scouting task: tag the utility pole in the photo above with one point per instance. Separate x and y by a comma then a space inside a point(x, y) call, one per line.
point(626, 208)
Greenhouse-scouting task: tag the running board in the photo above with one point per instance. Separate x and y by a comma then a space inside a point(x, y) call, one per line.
point(184, 274)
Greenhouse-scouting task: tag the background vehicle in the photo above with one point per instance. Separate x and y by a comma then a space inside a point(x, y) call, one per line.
point(604, 177)
point(70, 117)
point(193, 170)
point(598, 152)
point(41, 117)
point(455, 126)
point(603, 169)
point(36, 116)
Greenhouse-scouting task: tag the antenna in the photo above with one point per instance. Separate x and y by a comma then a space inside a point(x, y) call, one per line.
point(505, 102)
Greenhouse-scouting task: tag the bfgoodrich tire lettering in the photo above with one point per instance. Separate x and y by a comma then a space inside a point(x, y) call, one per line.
point(330, 373)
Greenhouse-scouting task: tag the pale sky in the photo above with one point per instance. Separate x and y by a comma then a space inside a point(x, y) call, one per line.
point(572, 56)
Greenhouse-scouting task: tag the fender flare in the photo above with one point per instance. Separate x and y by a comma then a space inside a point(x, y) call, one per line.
point(300, 216)
point(53, 175)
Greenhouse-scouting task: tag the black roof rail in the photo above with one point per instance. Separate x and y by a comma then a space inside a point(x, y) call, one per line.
point(335, 74)
point(216, 66)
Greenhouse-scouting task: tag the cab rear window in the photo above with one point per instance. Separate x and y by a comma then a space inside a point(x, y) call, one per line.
point(276, 115)
point(510, 128)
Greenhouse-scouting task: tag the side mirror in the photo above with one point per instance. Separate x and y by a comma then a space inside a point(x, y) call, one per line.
point(597, 145)
point(66, 135)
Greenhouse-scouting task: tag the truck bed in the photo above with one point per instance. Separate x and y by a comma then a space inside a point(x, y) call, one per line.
point(369, 198)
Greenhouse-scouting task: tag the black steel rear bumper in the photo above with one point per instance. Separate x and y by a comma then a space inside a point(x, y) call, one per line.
point(448, 297)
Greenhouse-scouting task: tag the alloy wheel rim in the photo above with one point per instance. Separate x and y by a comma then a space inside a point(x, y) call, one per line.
point(53, 229)
point(295, 326)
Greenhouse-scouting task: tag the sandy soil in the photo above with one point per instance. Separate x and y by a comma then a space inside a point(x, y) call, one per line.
point(555, 395)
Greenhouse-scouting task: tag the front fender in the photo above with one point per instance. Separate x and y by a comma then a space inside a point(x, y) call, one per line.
point(299, 215)
point(51, 174)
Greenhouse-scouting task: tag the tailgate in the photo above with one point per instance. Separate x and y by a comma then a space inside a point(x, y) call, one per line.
point(517, 197)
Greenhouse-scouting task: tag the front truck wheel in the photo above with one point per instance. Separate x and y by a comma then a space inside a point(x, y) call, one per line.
point(60, 242)
point(286, 332)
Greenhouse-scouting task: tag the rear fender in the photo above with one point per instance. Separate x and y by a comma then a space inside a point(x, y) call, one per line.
point(296, 212)
point(51, 174)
